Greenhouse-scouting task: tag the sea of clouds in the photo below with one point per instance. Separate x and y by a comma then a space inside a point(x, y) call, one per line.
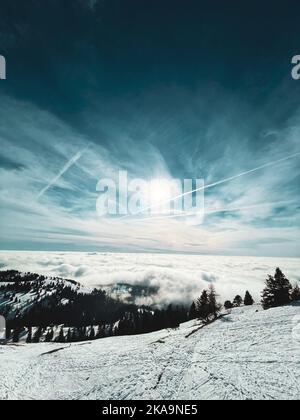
point(180, 278)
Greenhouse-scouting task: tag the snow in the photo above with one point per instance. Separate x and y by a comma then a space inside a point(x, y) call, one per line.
point(248, 354)
point(23, 301)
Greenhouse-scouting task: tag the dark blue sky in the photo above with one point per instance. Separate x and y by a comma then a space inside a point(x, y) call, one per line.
point(174, 88)
point(60, 53)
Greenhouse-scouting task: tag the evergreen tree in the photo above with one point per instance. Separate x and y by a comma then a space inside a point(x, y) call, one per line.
point(214, 307)
point(248, 301)
point(172, 317)
point(69, 336)
point(92, 333)
point(100, 332)
point(74, 337)
point(202, 306)
point(61, 337)
point(49, 336)
point(295, 295)
point(82, 334)
point(29, 335)
point(8, 333)
point(237, 301)
point(277, 291)
point(228, 305)
point(16, 335)
point(193, 311)
point(37, 335)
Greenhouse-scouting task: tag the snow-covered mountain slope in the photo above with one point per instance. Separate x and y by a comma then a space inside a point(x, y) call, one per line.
point(249, 354)
point(20, 292)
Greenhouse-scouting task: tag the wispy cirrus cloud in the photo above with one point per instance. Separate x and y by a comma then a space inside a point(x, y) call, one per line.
point(51, 160)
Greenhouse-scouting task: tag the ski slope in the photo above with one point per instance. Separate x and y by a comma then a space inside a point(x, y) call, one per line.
point(248, 354)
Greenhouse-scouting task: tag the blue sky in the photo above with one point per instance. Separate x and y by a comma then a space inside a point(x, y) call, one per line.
point(176, 90)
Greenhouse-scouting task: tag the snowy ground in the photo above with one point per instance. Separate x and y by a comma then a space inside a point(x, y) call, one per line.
point(246, 355)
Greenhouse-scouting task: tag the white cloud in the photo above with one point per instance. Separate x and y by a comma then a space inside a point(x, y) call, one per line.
point(180, 278)
point(65, 216)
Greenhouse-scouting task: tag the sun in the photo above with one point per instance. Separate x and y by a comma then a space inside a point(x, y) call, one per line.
point(160, 194)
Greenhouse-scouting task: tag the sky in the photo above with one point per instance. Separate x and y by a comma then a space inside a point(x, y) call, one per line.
point(162, 90)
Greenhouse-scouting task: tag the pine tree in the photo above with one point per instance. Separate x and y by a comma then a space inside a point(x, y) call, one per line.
point(29, 336)
point(69, 336)
point(248, 300)
point(214, 307)
point(47, 337)
point(193, 311)
point(92, 333)
point(8, 333)
point(202, 306)
point(51, 334)
point(61, 337)
point(74, 337)
point(237, 301)
point(295, 295)
point(37, 335)
point(82, 334)
point(277, 291)
point(100, 332)
point(16, 335)
point(228, 305)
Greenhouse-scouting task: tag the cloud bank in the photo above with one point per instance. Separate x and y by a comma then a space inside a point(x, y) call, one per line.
point(179, 279)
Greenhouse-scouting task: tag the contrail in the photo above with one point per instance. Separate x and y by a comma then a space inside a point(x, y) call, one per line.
point(223, 210)
point(223, 181)
point(250, 206)
point(67, 166)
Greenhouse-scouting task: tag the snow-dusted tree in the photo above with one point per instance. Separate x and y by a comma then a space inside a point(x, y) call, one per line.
point(92, 333)
point(29, 335)
point(214, 306)
point(277, 291)
point(74, 336)
point(202, 306)
point(228, 305)
point(248, 300)
point(69, 336)
point(193, 311)
point(237, 301)
point(49, 336)
point(100, 331)
point(37, 335)
point(82, 334)
point(61, 337)
point(295, 295)
point(207, 306)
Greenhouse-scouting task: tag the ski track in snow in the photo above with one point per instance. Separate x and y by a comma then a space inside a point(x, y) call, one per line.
point(245, 355)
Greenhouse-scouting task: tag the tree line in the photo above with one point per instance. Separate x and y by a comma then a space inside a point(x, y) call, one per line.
point(278, 291)
point(135, 321)
point(89, 316)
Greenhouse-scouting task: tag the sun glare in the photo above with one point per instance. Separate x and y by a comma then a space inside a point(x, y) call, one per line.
point(160, 192)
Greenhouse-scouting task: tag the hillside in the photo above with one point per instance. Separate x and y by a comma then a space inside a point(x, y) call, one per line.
point(39, 308)
point(20, 292)
point(249, 354)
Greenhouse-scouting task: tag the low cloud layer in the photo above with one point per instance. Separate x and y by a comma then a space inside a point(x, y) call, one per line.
point(179, 278)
